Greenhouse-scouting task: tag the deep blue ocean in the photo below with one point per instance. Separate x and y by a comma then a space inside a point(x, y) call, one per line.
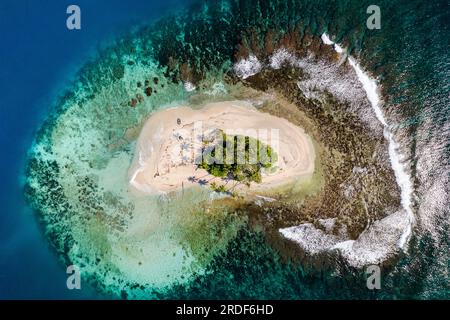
point(38, 56)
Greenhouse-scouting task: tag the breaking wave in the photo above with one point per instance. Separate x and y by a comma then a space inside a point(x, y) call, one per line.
point(397, 227)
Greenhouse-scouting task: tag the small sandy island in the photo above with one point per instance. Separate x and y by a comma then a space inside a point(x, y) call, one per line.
point(171, 143)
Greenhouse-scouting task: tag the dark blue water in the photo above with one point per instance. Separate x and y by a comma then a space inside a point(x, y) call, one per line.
point(38, 56)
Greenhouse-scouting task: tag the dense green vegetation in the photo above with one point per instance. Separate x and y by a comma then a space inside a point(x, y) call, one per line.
point(238, 158)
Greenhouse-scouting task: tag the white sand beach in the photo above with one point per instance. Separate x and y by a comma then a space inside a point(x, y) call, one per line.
point(171, 141)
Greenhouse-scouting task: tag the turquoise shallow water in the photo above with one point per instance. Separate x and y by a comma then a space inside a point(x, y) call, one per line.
point(409, 56)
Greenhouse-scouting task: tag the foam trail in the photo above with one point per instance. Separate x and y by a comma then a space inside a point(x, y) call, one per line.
point(326, 39)
point(402, 177)
point(248, 67)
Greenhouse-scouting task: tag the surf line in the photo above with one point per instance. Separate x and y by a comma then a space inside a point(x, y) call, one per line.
point(402, 177)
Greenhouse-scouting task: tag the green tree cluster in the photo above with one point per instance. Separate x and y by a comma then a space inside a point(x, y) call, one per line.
point(239, 158)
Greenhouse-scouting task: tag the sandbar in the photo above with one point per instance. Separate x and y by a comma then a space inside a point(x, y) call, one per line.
point(171, 142)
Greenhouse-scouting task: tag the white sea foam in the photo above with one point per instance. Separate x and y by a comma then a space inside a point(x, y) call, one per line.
point(320, 77)
point(402, 177)
point(329, 42)
point(339, 49)
point(310, 238)
point(247, 67)
point(369, 248)
point(376, 243)
point(280, 57)
point(396, 228)
point(326, 40)
point(189, 86)
point(328, 224)
point(323, 77)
